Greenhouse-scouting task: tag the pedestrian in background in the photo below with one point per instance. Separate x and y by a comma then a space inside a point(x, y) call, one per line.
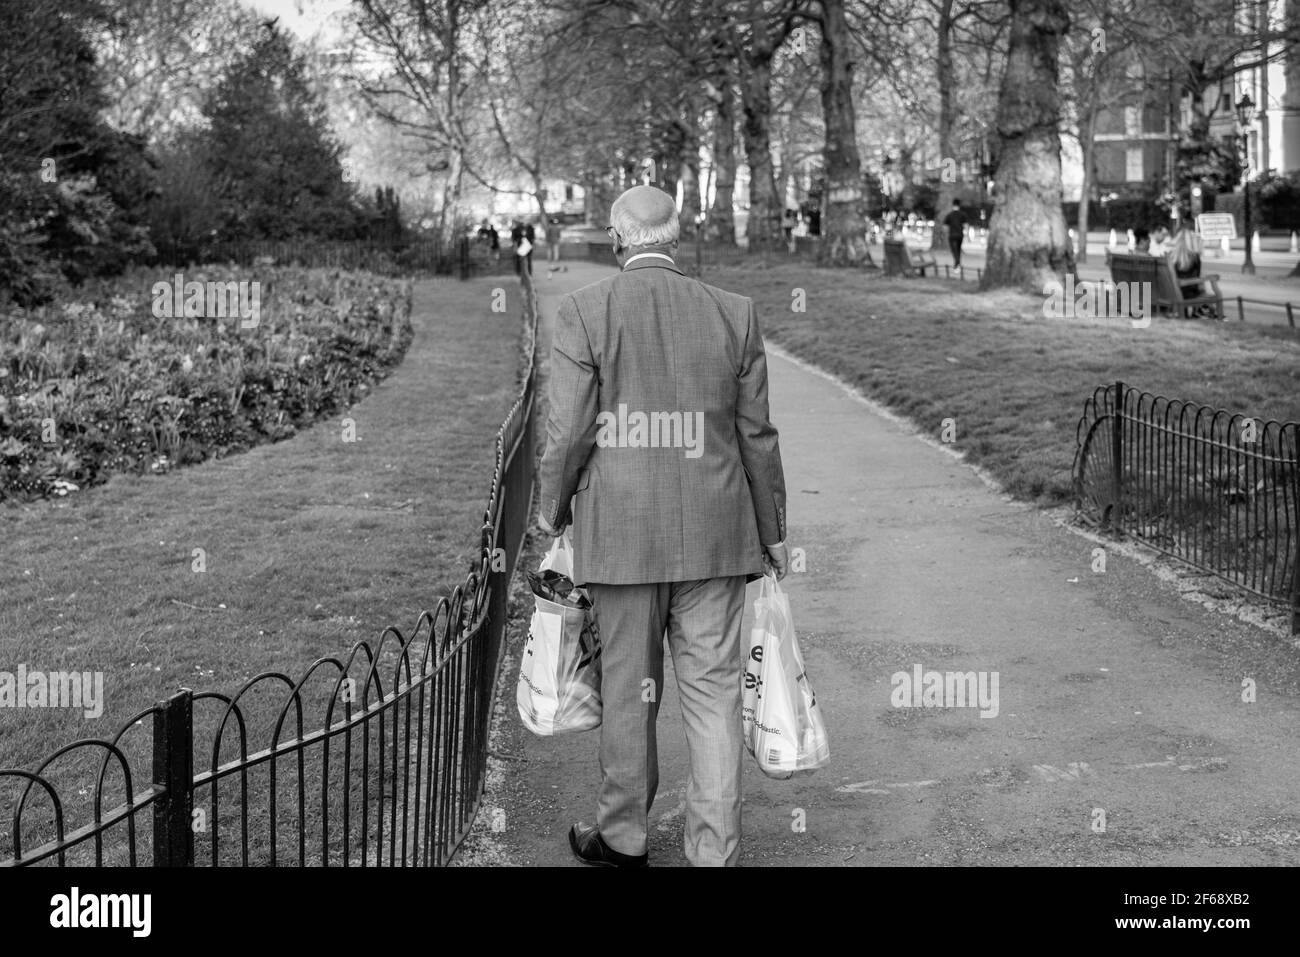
point(955, 223)
point(553, 233)
point(522, 238)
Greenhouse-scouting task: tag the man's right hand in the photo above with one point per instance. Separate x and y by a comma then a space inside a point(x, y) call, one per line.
point(778, 558)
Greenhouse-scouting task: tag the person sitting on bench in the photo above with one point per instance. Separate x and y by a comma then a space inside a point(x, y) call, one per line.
point(1160, 241)
point(1185, 253)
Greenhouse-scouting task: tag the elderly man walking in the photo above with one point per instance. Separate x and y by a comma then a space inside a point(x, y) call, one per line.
point(660, 452)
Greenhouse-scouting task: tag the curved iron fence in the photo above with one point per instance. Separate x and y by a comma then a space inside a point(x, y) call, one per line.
point(1218, 490)
point(374, 758)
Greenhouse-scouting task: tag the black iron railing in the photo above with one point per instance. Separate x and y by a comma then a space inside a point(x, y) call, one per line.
point(1218, 490)
point(375, 758)
point(1287, 307)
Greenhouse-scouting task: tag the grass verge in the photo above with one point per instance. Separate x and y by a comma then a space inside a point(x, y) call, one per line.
point(1013, 381)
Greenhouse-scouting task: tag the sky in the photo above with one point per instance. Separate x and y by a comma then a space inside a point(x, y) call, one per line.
point(302, 17)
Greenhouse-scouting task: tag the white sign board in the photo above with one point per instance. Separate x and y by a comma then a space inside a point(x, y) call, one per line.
point(1216, 226)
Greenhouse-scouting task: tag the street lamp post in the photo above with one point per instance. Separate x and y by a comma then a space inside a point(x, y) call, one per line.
point(1245, 116)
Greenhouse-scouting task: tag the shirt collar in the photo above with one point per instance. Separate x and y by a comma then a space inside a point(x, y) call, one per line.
point(632, 259)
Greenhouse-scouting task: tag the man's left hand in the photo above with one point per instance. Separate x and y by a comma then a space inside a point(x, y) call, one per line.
point(548, 528)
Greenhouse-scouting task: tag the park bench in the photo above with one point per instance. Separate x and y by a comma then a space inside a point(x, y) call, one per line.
point(900, 259)
point(1168, 291)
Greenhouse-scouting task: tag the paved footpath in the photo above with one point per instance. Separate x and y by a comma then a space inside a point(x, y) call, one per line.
point(1121, 735)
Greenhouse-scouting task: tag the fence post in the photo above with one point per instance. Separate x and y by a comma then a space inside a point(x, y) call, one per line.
point(1295, 566)
point(1241, 310)
point(1117, 461)
point(173, 773)
point(1290, 316)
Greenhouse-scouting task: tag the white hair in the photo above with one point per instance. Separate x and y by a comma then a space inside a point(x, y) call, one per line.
point(636, 233)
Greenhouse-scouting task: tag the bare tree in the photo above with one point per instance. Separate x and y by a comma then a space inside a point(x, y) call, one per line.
point(424, 86)
point(1100, 54)
point(930, 69)
point(968, 49)
point(531, 79)
point(157, 57)
point(669, 70)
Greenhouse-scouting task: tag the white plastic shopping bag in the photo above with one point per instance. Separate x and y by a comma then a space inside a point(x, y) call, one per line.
point(559, 674)
point(784, 729)
point(559, 558)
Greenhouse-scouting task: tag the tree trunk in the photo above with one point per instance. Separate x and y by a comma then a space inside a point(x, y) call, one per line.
point(539, 192)
point(764, 227)
point(944, 79)
point(456, 171)
point(844, 229)
point(1085, 195)
point(690, 179)
point(907, 197)
point(451, 187)
point(669, 165)
point(1029, 245)
point(722, 217)
point(590, 200)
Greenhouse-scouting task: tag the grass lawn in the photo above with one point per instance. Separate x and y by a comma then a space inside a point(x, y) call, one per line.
point(309, 544)
point(1013, 381)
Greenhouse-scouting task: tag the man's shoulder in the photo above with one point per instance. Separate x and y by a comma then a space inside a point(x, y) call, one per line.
point(725, 297)
point(596, 291)
point(600, 290)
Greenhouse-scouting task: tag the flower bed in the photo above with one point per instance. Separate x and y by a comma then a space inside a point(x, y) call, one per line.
point(105, 385)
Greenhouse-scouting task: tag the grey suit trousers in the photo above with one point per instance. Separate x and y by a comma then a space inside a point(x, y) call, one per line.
point(702, 620)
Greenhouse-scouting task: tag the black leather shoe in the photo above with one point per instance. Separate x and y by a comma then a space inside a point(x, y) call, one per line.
point(590, 848)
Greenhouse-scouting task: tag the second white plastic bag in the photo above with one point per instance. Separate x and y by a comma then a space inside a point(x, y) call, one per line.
point(784, 730)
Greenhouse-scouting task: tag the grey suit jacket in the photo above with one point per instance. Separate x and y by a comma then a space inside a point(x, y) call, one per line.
point(658, 444)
